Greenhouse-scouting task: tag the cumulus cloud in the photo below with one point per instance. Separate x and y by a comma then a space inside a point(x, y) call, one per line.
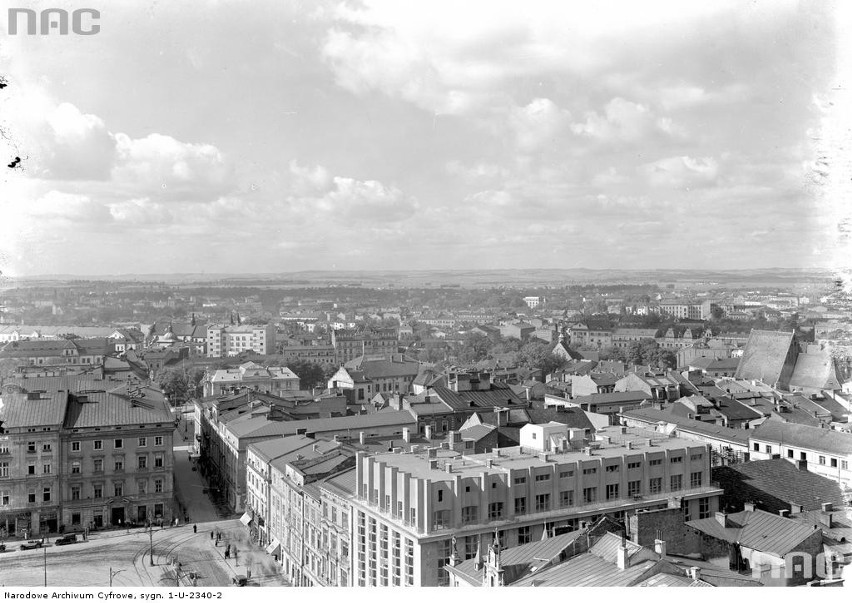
point(622, 121)
point(74, 146)
point(681, 172)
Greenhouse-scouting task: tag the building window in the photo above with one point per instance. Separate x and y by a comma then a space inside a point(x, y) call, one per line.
point(4, 499)
point(31, 470)
point(45, 447)
point(756, 447)
point(119, 464)
point(687, 511)
point(45, 469)
point(98, 464)
point(676, 459)
point(75, 492)
point(655, 462)
point(676, 482)
point(31, 496)
point(158, 460)
point(521, 505)
point(142, 442)
point(31, 446)
point(565, 474)
point(844, 464)
point(141, 486)
point(703, 508)
point(542, 477)
point(118, 489)
point(46, 494)
point(822, 460)
point(655, 485)
point(590, 471)
point(520, 481)
point(611, 491)
point(97, 491)
point(789, 454)
point(524, 535)
point(590, 495)
point(542, 502)
point(634, 465)
point(75, 446)
point(696, 457)
point(470, 514)
point(634, 488)
point(97, 445)
point(158, 440)
point(612, 468)
point(495, 510)
point(768, 449)
point(566, 498)
point(695, 479)
point(440, 495)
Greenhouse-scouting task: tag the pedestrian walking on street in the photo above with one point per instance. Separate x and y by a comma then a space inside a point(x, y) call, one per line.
point(194, 529)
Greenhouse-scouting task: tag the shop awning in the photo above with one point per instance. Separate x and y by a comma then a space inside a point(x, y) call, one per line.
point(273, 547)
point(245, 519)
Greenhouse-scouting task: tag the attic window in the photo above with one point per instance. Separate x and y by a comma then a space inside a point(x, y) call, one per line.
point(471, 403)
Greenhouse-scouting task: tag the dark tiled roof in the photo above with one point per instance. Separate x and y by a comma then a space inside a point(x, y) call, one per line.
point(781, 479)
point(115, 407)
point(737, 411)
point(803, 436)
point(497, 396)
point(613, 398)
point(586, 570)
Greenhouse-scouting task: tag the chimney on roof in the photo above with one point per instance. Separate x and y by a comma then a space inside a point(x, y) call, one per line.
point(827, 507)
point(428, 432)
point(784, 512)
point(695, 573)
point(660, 547)
point(406, 435)
point(361, 437)
point(621, 557)
point(722, 518)
point(749, 506)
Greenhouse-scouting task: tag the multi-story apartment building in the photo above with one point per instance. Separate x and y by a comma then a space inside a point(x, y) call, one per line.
point(350, 343)
point(230, 340)
point(822, 451)
point(85, 353)
point(408, 507)
point(98, 455)
point(318, 353)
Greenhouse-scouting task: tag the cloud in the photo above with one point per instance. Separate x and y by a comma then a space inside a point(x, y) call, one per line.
point(162, 164)
point(681, 172)
point(622, 121)
point(75, 208)
point(538, 123)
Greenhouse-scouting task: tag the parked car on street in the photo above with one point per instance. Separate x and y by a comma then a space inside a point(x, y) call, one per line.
point(67, 539)
point(31, 544)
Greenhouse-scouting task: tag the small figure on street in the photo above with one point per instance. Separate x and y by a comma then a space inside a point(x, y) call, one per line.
point(211, 534)
point(234, 551)
point(227, 553)
point(194, 529)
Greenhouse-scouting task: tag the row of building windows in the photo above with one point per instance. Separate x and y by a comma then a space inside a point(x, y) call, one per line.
point(803, 456)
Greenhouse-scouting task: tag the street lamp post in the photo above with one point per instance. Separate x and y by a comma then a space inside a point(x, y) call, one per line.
point(113, 573)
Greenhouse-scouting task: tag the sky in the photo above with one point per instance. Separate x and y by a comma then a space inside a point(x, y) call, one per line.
point(278, 136)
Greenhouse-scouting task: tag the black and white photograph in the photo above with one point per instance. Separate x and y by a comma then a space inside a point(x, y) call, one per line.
point(408, 293)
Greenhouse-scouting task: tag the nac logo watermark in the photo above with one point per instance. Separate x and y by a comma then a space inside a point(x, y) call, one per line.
point(82, 22)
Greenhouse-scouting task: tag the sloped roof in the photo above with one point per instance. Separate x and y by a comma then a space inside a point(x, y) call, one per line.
point(781, 479)
point(19, 411)
point(612, 398)
point(757, 530)
point(498, 396)
point(764, 356)
point(815, 371)
point(586, 570)
point(274, 448)
point(476, 432)
point(116, 407)
point(518, 560)
point(804, 436)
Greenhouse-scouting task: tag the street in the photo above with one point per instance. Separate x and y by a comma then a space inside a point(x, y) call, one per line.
point(89, 563)
point(126, 554)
